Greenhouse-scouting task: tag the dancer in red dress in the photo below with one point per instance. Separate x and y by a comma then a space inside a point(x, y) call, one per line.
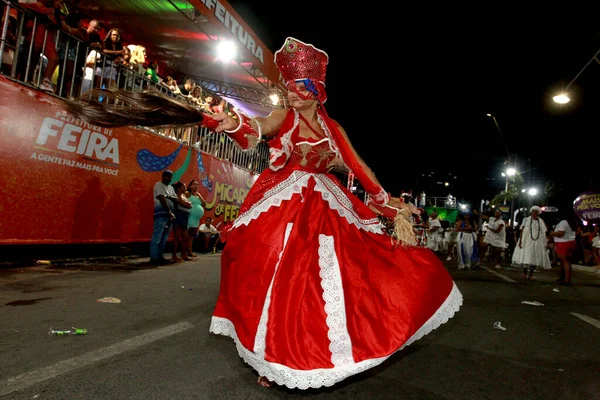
point(312, 288)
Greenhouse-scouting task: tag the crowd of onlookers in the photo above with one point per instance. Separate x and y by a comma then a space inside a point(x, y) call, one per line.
point(64, 52)
point(180, 208)
point(535, 239)
point(72, 53)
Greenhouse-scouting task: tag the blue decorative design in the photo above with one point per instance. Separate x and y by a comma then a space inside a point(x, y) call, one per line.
point(309, 85)
point(150, 162)
point(205, 182)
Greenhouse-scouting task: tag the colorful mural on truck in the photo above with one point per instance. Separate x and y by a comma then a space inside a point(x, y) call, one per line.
point(66, 181)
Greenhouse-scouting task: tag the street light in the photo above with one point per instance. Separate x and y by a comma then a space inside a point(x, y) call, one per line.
point(532, 192)
point(563, 98)
point(226, 51)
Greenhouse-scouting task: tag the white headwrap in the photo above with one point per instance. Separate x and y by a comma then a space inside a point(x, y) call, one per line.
point(535, 208)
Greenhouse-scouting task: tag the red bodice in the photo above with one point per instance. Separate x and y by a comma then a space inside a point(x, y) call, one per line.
point(312, 156)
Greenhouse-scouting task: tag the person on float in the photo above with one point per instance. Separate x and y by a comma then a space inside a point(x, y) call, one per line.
point(312, 288)
point(531, 251)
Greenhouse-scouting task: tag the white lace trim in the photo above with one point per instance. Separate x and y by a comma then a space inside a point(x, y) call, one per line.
point(332, 143)
point(261, 333)
point(313, 143)
point(340, 344)
point(273, 197)
point(330, 192)
point(339, 202)
point(316, 378)
point(286, 145)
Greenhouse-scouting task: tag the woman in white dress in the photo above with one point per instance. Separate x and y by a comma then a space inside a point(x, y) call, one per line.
point(495, 238)
point(434, 231)
point(531, 251)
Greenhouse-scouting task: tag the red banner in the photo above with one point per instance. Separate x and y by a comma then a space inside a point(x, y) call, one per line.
point(66, 181)
point(224, 18)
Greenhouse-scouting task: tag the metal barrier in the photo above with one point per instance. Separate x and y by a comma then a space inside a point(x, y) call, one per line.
point(218, 145)
point(29, 48)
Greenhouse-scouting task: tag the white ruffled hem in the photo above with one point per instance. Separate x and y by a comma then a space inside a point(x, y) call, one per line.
point(316, 378)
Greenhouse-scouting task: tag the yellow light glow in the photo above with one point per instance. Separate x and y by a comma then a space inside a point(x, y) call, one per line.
point(561, 99)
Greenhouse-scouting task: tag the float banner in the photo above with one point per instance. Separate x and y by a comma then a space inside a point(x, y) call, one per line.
point(66, 181)
point(587, 206)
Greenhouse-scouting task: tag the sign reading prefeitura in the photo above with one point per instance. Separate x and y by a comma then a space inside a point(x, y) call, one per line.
point(223, 17)
point(587, 206)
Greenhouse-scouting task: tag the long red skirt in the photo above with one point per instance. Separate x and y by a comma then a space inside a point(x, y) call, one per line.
point(310, 298)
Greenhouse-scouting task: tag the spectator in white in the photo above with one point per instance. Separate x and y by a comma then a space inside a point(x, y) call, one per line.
point(164, 202)
point(531, 250)
point(138, 58)
point(434, 229)
point(564, 237)
point(210, 234)
point(495, 236)
point(452, 237)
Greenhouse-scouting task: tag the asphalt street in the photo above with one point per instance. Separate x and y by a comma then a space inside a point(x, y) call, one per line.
point(155, 344)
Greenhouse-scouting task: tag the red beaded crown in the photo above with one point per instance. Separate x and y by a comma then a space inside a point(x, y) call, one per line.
point(298, 60)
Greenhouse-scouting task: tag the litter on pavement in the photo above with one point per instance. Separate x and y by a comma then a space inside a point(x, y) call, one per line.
point(69, 332)
point(533, 303)
point(109, 300)
point(498, 325)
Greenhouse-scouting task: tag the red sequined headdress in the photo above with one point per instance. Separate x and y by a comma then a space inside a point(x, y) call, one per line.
point(297, 60)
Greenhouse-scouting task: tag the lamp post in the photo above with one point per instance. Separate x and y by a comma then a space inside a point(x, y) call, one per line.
point(500, 133)
point(509, 172)
point(563, 98)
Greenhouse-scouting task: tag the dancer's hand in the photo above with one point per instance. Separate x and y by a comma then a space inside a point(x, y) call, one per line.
point(520, 244)
point(226, 123)
point(395, 202)
point(399, 203)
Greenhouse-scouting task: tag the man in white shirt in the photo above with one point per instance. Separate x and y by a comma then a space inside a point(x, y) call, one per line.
point(164, 200)
point(495, 236)
point(208, 230)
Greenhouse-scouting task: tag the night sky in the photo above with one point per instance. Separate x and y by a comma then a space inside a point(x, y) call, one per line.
point(412, 89)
